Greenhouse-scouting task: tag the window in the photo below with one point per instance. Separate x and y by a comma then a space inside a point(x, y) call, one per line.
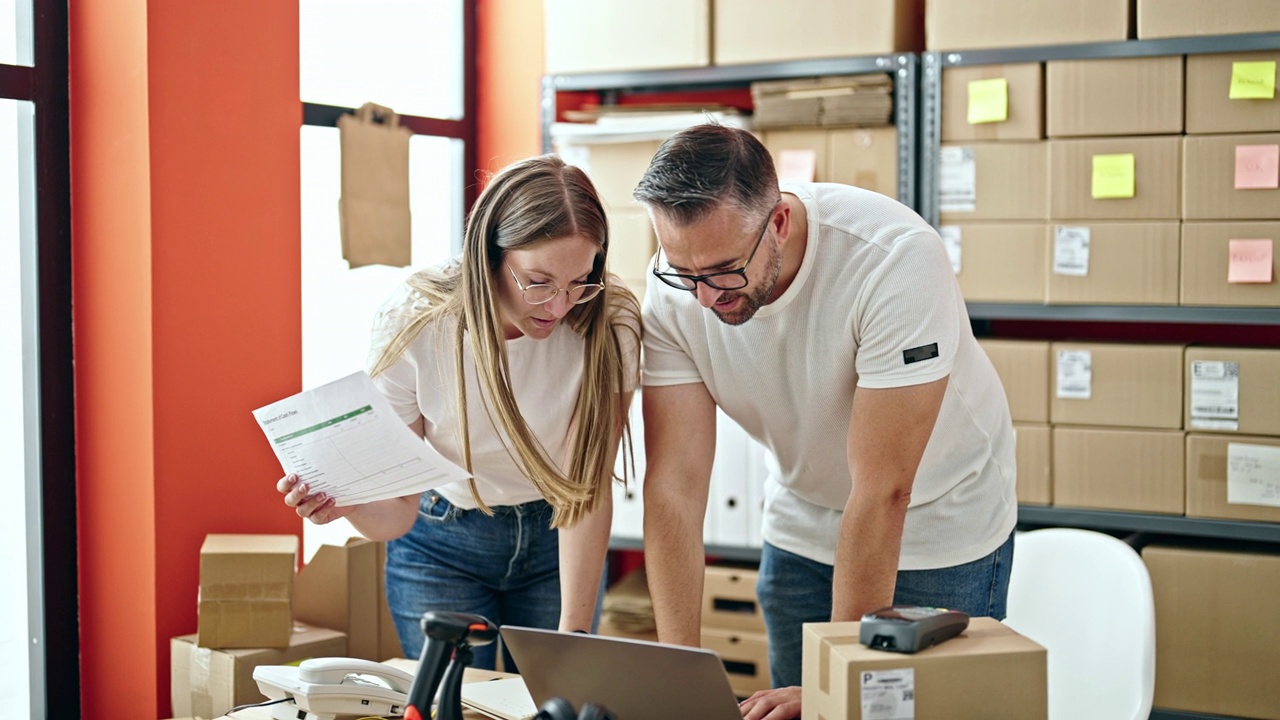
point(415, 57)
point(39, 635)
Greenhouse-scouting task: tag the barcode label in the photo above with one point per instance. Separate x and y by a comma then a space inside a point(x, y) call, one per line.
point(1071, 250)
point(1215, 395)
point(1075, 374)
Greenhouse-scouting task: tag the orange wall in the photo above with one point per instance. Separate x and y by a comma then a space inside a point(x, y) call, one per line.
point(509, 60)
point(184, 139)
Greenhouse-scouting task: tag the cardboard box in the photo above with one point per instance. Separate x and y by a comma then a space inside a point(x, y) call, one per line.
point(994, 181)
point(1127, 264)
point(344, 588)
point(982, 24)
point(586, 36)
point(1156, 171)
point(863, 100)
point(862, 157)
point(1105, 469)
point(1137, 386)
point(865, 158)
point(615, 168)
point(1035, 463)
point(1210, 108)
point(745, 656)
point(1207, 478)
point(1187, 18)
point(1254, 387)
point(1212, 169)
point(1129, 96)
point(1217, 642)
point(1024, 91)
point(1000, 261)
point(746, 31)
point(208, 682)
point(989, 672)
point(632, 242)
point(729, 600)
point(246, 590)
point(1206, 264)
point(1023, 367)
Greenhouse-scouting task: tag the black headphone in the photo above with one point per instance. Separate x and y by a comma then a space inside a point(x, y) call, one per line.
point(557, 708)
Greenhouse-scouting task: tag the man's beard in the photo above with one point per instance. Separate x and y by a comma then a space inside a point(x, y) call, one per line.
point(754, 299)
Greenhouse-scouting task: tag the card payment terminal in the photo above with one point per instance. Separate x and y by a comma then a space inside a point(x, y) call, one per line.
point(910, 628)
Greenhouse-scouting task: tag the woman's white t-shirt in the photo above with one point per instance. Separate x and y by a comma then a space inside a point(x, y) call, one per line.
point(875, 297)
point(546, 377)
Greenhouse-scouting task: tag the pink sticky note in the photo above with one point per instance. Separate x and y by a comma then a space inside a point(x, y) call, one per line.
point(1250, 261)
point(1257, 167)
point(797, 165)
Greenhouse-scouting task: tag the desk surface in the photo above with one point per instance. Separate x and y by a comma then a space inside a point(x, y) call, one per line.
point(409, 666)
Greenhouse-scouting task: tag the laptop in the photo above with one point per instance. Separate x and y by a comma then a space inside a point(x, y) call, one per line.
point(633, 679)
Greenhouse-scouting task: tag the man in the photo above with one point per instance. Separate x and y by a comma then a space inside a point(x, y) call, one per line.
point(825, 320)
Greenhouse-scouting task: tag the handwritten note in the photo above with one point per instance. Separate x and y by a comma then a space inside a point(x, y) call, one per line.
point(1251, 261)
point(988, 101)
point(797, 165)
point(1253, 474)
point(1257, 167)
point(1113, 176)
point(1253, 80)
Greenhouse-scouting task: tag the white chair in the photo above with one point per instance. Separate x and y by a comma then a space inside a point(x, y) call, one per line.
point(1086, 597)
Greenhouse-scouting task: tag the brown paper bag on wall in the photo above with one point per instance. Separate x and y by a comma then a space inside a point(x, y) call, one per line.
point(374, 205)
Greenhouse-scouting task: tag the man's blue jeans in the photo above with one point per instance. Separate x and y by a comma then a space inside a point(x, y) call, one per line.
point(505, 567)
point(794, 590)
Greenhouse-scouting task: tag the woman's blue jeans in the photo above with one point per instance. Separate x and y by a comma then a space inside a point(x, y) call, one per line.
point(794, 590)
point(505, 567)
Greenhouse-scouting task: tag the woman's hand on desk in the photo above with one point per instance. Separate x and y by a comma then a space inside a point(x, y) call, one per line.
point(780, 704)
point(318, 508)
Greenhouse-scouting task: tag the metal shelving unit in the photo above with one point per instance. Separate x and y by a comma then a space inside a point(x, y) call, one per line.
point(904, 67)
point(1126, 313)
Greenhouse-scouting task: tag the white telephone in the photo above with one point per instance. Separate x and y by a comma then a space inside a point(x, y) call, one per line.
point(325, 688)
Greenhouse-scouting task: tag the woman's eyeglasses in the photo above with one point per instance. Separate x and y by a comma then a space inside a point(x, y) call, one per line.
point(541, 293)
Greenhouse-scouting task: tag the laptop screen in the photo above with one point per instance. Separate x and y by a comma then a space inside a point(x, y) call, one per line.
point(633, 679)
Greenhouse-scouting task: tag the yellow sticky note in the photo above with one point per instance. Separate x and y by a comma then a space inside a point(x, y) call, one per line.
point(1253, 80)
point(988, 101)
point(1113, 176)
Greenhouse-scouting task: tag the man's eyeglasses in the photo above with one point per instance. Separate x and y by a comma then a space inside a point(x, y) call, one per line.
point(725, 280)
point(540, 294)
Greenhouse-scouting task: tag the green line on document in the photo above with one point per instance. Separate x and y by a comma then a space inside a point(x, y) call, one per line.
point(325, 424)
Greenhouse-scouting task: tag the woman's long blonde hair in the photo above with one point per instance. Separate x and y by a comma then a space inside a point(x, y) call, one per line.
point(530, 202)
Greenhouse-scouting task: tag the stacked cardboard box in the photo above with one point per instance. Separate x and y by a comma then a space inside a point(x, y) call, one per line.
point(751, 31)
point(1114, 162)
point(1188, 18)
point(993, 170)
point(980, 24)
point(865, 157)
point(1231, 180)
point(1023, 367)
point(733, 626)
point(585, 36)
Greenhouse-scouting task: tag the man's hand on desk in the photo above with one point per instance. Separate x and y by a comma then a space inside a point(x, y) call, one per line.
point(780, 704)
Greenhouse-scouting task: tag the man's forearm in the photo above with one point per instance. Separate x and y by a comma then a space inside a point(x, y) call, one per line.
point(867, 554)
point(675, 563)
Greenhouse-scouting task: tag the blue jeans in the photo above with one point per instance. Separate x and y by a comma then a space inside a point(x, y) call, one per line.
point(505, 567)
point(794, 590)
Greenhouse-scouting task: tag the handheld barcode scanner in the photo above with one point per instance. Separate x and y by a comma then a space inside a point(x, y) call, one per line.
point(450, 637)
point(910, 628)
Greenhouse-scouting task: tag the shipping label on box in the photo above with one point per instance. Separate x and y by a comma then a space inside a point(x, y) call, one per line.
point(994, 181)
point(246, 590)
point(989, 672)
point(1233, 390)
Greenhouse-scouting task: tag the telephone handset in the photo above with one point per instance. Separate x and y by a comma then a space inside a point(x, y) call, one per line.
point(324, 688)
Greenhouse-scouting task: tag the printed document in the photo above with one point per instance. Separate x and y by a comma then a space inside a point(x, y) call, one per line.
point(344, 439)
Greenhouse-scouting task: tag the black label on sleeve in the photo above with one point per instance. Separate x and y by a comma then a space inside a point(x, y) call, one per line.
point(920, 354)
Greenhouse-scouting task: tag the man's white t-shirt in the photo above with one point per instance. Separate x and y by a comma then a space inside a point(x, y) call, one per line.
point(875, 304)
point(546, 377)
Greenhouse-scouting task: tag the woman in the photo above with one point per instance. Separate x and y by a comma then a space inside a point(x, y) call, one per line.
point(517, 363)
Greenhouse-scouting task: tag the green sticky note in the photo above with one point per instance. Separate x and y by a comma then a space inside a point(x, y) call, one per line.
point(1113, 176)
point(1253, 80)
point(988, 101)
